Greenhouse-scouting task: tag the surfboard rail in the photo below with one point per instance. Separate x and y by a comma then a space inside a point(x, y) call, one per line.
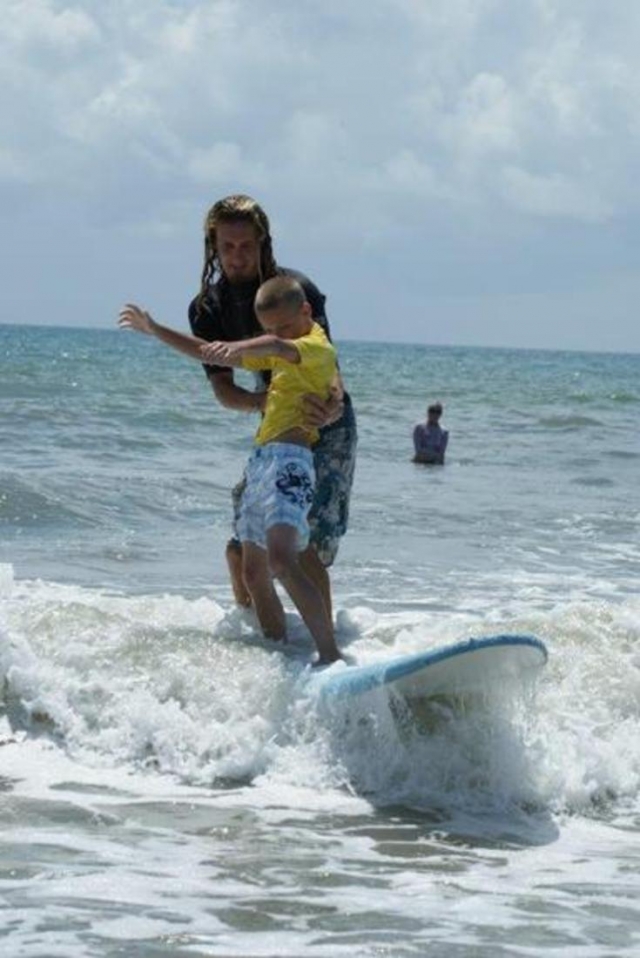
point(512, 654)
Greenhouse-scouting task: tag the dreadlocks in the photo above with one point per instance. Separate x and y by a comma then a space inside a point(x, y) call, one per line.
point(237, 208)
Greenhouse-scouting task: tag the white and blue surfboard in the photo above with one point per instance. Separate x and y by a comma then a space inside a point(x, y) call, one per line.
point(465, 667)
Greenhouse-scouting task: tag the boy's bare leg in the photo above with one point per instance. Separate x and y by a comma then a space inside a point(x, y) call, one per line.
point(259, 583)
point(307, 598)
point(319, 575)
point(233, 553)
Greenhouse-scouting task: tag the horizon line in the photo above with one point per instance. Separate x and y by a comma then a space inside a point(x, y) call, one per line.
point(377, 342)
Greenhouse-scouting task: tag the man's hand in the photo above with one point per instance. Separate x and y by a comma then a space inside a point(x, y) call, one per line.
point(321, 412)
point(132, 317)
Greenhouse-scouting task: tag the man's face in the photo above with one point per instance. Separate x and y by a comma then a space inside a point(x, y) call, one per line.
point(238, 248)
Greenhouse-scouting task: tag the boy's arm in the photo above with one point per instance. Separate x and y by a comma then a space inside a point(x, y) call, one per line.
point(132, 317)
point(233, 353)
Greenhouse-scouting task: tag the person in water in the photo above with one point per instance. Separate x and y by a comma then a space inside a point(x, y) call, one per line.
point(273, 521)
point(429, 438)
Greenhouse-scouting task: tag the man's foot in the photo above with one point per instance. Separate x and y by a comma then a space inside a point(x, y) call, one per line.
point(280, 639)
point(322, 661)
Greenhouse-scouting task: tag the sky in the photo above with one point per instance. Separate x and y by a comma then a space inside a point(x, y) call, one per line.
point(448, 172)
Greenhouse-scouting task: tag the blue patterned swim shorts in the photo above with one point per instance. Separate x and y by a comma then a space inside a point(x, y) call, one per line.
point(279, 490)
point(334, 459)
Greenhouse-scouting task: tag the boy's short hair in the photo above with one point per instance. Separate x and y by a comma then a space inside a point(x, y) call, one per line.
point(280, 292)
point(435, 408)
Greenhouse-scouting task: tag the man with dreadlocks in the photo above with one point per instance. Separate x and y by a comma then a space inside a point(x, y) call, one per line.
point(238, 258)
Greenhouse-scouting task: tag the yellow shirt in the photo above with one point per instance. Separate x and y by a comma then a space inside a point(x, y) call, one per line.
point(290, 381)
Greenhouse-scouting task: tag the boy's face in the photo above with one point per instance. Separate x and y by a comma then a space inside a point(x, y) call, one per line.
point(286, 324)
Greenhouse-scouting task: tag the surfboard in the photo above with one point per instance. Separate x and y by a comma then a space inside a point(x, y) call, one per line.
point(459, 669)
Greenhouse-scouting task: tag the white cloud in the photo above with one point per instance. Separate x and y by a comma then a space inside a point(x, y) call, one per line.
point(555, 195)
point(223, 161)
point(405, 171)
point(484, 121)
point(12, 168)
point(464, 124)
point(39, 26)
point(461, 85)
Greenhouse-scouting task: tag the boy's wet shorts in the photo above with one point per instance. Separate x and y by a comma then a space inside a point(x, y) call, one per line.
point(279, 491)
point(334, 458)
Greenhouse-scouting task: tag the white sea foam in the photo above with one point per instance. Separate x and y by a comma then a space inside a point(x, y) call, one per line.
point(178, 687)
point(166, 770)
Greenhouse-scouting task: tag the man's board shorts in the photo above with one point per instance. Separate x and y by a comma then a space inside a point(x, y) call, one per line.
point(334, 459)
point(279, 491)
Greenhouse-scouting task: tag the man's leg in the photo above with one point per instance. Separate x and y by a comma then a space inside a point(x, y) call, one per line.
point(233, 553)
point(319, 575)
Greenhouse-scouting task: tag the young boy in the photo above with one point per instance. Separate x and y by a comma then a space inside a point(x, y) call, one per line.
point(280, 476)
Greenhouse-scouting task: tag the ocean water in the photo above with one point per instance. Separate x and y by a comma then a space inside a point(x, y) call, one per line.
point(167, 785)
